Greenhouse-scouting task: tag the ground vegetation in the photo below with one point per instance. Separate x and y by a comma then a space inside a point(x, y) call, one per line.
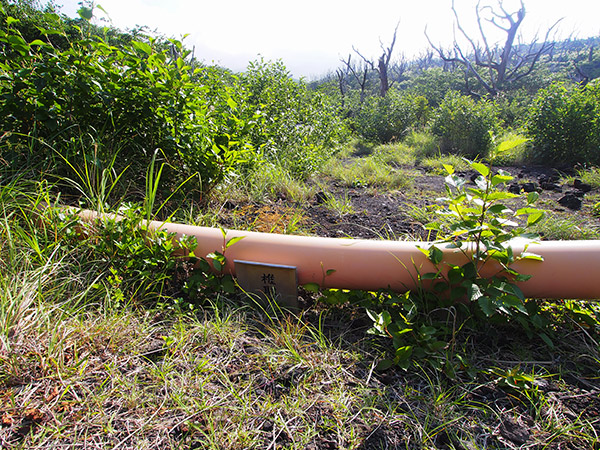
point(116, 336)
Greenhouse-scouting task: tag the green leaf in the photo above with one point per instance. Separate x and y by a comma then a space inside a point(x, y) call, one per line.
point(231, 102)
point(437, 346)
point(501, 195)
point(486, 305)
point(101, 9)
point(474, 293)
point(429, 276)
point(532, 256)
point(312, 287)
point(380, 321)
point(510, 144)
point(514, 302)
point(404, 353)
point(522, 277)
point(440, 287)
point(499, 179)
point(18, 43)
point(428, 330)
point(469, 271)
point(40, 43)
point(233, 240)
point(534, 218)
point(455, 275)
point(384, 364)
point(11, 20)
point(454, 181)
point(532, 197)
point(228, 285)
point(86, 13)
point(142, 46)
point(458, 293)
point(435, 255)
point(481, 168)
point(499, 208)
point(448, 168)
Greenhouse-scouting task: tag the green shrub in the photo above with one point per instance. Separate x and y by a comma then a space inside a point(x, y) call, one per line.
point(434, 83)
point(564, 125)
point(388, 119)
point(424, 144)
point(296, 127)
point(133, 97)
point(464, 126)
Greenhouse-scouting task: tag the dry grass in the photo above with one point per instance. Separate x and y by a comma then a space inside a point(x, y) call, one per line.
point(231, 376)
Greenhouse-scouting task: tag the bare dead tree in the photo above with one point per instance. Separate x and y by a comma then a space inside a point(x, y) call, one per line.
point(397, 69)
point(495, 67)
point(423, 61)
point(586, 69)
point(342, 75)
point(360, 72)
point(382, 67)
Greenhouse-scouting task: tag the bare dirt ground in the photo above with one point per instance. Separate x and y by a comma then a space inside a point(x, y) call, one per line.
point(400, 214)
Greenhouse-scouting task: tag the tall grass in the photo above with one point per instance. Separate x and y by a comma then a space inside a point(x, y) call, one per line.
point(369, 172)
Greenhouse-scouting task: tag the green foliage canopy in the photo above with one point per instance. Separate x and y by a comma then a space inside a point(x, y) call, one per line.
point(464, 125)
point(295, 126)
point(564, 124)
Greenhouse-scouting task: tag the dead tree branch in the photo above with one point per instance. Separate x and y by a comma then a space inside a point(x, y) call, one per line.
point(382, 67)
point(495, 66)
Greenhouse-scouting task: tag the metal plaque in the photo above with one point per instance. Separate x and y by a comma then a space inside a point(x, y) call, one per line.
point(269, 281)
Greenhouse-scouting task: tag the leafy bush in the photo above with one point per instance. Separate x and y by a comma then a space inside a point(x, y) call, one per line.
point(512, 107)
point(434, 83)
point(295, 127)
point(424, 144)
point(423, 324)
point(464, 126)
point(133, 98)
point(32, 20)
point(564, 124)
point(388, 119)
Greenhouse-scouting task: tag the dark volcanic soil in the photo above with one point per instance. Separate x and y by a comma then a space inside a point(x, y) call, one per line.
point(377, 214)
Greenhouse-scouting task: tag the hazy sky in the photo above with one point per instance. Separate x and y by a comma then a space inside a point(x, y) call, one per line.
point(311, 36)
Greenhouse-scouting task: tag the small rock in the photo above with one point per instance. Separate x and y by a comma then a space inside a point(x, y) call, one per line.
point(549, 186)
point(570, 201)
point(514, 188)
point(320, 197)
point(530, 187)
point(583, 187)
point(555, 178)
point(514, 432)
